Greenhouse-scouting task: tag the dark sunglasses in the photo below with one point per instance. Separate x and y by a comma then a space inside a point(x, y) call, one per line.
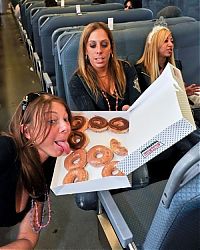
point(30, 98)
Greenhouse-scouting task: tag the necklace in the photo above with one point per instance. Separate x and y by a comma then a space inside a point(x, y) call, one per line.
point(116, 103)
point(102, 76)
point(34, 220)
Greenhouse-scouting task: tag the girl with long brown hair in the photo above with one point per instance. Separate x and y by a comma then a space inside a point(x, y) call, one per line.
point(38, 133)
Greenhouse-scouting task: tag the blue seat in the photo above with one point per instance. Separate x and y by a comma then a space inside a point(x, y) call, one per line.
point(187, 50)
point(163, 215)
point(43, 56)
point(57, 45)
point(62, 41)
point(64, 71)
point(28, 10)
point(188, 8)
point(170, 21)
point(43, 45)
point(46, 29)
point(30, 7)
point(28, 4)
point(47, 24)
point(36, 13)
point(60, 37)
point(186, 36)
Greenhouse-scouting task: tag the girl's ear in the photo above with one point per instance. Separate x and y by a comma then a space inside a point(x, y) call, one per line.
point(24, 130)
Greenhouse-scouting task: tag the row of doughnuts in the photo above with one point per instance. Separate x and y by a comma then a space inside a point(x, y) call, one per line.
point(98, 155)
point(78, 139)
point(100, 124)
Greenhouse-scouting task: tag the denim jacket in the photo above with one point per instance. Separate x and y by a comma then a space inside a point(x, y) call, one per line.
point(82, 99)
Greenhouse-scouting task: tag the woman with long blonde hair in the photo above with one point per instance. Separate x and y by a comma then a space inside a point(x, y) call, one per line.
point(158, 51)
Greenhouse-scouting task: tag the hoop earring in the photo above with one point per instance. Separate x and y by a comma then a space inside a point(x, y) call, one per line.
point(87, 59)
point(111, 57)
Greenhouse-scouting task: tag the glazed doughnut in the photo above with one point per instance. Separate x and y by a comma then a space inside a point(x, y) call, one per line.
point(76, 175)
point(99, 155)
point(111, 170)
point(118, 125)
point(77, 159)
point(77, 139)
point(79, 123)
point(117, 148)
point(98, 124)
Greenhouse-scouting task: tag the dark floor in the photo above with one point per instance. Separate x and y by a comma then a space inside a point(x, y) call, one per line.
point(16, 77)
point(71, 227)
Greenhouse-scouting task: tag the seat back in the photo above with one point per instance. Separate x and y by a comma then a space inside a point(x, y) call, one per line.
point(170, 21)
point(66, 70)
point(58, 41)
point(28, 5)
point(187, 49)
point(35, 14)
point(37, 4)
point(130, 45)
point(176, 222)
point(57, 47)
point(52, 23)
point(63, 41)
point(33, 7)
point(29, 10)
point(188, 8)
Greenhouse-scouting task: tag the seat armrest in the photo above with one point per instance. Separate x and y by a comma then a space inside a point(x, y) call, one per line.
point(121, 228)
point(38, 65)
point(48, 85)
point(30, 50)
point(189, 161)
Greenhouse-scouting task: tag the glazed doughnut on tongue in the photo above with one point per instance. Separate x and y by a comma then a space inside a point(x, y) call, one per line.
point(64, 146)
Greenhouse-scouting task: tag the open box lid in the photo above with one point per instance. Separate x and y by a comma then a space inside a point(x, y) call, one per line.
point(158, 119)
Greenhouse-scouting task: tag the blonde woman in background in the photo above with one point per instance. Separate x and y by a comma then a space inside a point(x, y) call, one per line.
point(158, 51)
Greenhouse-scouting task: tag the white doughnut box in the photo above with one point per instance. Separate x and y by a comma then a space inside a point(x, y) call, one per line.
point(159, 118)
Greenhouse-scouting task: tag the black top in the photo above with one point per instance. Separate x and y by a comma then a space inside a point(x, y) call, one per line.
point(144, 78)
point(81, 98)
point(9, 174)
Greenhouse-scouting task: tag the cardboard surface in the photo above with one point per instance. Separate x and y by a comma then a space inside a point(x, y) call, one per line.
point(96, 181)
point(158, 119)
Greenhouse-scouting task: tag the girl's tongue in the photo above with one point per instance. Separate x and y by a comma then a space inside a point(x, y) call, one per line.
point(65, 146)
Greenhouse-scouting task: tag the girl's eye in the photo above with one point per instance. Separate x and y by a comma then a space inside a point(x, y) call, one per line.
point(52, 121)
point(92, 45)
point(104, 44)
point(66, 119)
